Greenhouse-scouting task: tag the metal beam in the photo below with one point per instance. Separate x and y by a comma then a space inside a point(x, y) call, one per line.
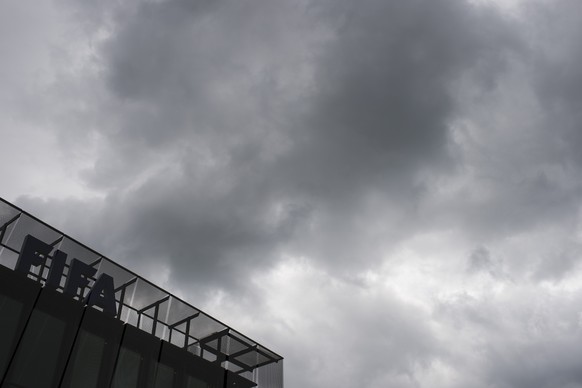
point(214, 336)
point(6, 224)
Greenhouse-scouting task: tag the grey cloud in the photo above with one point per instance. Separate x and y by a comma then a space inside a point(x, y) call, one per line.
point(537, 364)
point(518, 144)
point(523, 337)
point(368, 339)
point(480, 259)
point(206, 91)
point(521, 205)
point(559, 265)
point(381, 104)
point(554, 57)
point(544, 354)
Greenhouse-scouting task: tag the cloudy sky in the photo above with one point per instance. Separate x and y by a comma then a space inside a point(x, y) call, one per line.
point(388, 193)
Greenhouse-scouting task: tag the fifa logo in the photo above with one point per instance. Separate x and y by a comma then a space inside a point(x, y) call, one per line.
point(35, 252)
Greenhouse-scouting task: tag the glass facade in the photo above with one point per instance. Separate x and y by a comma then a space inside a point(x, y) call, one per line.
point(134, 336)
point(49, 340)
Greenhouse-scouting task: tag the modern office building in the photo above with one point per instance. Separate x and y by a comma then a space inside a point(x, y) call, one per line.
point(70, 317)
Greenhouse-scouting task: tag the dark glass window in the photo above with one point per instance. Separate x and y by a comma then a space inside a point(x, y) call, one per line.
point(164, 376)
point(17, 297)
point(10, 311)
point(47, 340)
point(86, 365)
point(193, 382)
point(127, 369)
point(93, 356)
point(137, 360)
point(36, 359)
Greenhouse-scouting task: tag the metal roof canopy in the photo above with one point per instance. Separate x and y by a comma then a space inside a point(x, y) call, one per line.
point(139, 302)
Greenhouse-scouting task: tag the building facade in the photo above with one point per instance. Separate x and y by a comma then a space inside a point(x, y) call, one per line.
point(70, 317)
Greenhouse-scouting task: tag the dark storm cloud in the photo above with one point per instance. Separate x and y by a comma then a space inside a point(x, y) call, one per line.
point(558, 74)
point(522, 146)
point(275, 124)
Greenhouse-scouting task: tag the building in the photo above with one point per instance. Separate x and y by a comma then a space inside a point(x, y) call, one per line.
point(70, 317)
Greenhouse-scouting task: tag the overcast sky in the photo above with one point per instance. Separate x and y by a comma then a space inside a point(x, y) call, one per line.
point(388, 193)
